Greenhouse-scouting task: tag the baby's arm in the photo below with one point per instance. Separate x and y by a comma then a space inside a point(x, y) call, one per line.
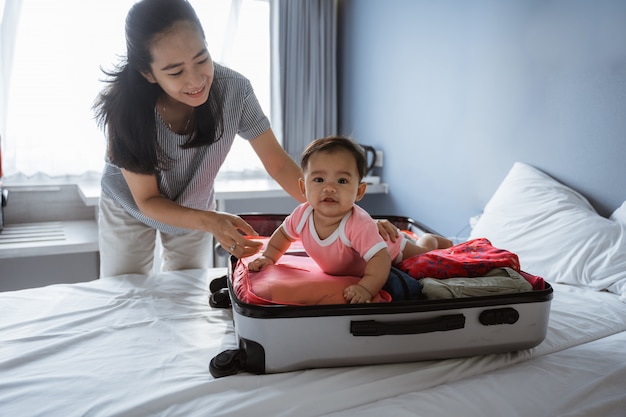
point(276, 247)
point(376, 274)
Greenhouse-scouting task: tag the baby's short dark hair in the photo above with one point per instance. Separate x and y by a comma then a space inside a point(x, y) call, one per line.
point(333, 143)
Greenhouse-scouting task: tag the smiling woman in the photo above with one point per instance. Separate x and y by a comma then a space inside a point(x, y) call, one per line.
point(59, 50)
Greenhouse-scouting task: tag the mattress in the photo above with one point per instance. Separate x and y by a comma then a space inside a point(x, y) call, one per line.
point(141, 345)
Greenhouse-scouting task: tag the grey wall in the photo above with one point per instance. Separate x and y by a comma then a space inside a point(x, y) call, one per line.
point(455, 91)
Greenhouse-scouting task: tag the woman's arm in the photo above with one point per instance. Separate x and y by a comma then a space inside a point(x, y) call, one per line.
point(278, 163)
point(224, 227)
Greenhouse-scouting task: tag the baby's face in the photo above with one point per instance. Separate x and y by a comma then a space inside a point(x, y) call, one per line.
point(331, 182)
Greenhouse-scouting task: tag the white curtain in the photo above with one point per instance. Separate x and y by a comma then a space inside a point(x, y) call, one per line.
point(304, 71)
point(59, 48)
point(8, 27)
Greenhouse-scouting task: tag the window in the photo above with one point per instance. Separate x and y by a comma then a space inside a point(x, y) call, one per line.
point(60, 47)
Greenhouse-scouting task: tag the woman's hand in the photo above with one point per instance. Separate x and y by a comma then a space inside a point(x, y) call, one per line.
point(227, 230)
point(387, 230)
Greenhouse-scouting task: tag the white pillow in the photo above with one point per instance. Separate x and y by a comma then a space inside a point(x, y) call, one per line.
point(555, 231)
point(619, 215)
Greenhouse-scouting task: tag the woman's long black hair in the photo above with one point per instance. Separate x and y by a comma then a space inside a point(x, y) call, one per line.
point(125, 107)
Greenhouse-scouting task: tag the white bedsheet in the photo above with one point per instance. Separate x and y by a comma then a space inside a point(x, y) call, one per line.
point(586, 380)
point(140, 346)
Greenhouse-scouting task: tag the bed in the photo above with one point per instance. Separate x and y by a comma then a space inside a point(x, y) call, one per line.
point(138, 345)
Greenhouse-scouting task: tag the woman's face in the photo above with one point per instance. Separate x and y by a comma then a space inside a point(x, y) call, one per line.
point(181, 64)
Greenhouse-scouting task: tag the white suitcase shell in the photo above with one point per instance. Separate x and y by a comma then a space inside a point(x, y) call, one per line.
point(286, 338)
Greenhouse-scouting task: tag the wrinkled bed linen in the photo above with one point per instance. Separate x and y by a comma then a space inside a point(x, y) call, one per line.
point(572, 382)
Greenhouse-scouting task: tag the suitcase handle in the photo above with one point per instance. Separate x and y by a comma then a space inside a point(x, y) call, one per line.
point(437, 324)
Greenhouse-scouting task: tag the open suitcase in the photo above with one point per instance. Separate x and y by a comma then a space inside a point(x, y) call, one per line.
point(281, 338)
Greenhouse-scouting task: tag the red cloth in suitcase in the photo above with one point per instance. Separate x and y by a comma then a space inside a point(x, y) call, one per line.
point(474, 258)
point(294, 280)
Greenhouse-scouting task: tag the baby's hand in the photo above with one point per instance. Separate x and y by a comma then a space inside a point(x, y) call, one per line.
point(357, 294)
point(260, 263)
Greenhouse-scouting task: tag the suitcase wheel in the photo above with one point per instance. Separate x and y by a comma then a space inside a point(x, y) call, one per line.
point(220, 299)
point(218, 283)
point(227, 363)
